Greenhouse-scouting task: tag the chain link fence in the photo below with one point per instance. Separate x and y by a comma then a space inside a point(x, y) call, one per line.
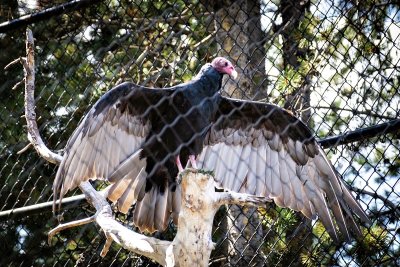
point(334, 64)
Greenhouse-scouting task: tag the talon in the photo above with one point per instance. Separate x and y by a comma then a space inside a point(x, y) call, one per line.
point(179, 178)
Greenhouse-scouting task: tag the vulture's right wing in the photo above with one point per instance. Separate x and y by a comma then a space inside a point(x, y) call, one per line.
point(107, 144)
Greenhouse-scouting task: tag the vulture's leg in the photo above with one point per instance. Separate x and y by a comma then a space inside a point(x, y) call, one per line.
point(192, 159)
point(179, 164)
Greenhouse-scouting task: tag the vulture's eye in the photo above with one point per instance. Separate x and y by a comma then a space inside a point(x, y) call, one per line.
point(226, 64)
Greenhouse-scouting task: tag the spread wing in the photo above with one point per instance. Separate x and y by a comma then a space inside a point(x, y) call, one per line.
point(107, 144)
point(262, 149)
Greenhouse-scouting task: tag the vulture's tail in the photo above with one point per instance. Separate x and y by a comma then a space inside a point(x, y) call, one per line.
point(152, 212)
point(128, 182)
point(153, 208)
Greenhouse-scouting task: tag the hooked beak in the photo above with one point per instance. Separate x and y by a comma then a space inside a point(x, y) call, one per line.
point(233, 74)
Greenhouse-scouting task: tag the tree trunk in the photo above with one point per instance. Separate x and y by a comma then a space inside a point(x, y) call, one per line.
point(241, 39)
point(292, 12)
point(298, 102)
point(245, 237)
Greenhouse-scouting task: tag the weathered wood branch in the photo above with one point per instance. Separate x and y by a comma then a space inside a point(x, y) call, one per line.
point(192, 244)
point(33, 132)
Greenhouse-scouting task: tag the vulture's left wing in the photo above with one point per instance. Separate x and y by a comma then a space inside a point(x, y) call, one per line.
point(262, 149)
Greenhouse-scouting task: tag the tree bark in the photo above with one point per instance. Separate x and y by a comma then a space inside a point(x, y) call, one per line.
point(241, 39)
point(245, 237)
point(292, 12)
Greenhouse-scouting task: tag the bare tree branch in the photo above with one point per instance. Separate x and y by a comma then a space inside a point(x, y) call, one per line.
point(45, 14)
point(64, 226)
point(395, 208)
point(30, 115)
point(15, 61)
point(230, 197)
point(358, 112)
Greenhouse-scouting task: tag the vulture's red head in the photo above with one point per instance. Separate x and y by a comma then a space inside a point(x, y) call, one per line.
point(224, 66)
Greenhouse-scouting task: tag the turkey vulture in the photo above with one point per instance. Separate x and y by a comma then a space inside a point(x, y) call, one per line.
point(137, 138)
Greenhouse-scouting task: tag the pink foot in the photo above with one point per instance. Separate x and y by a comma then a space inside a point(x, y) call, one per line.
point(192, 159)
point(179, 164)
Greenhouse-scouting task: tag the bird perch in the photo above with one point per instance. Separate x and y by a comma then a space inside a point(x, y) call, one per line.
point(192, 244)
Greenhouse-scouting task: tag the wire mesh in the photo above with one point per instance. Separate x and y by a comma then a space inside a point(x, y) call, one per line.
point(334, 64)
